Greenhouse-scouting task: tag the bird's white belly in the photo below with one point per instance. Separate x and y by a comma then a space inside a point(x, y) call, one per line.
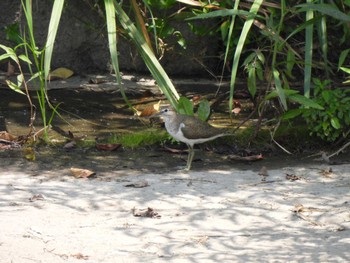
point(178, 135)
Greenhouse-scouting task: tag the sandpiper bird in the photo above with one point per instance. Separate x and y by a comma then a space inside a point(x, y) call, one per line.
point(189, 129)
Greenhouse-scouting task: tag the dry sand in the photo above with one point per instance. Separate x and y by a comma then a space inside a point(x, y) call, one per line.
point(216, 215)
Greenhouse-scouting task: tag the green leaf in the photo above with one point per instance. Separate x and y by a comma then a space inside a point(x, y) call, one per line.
point(24, 58)
point(34, 76)
point(203, 110)
point(14, 87)
point(335, 123)
point(185, 106)
point(223, 13)
point(4, 56)
point(346, 70)
point(259, 71)
point(305, 101)
point(290, 114)
point(180, 39)
point(249, 59)
point(224, 29)
point(326, 95)
point(13, 33)
point(326, 9)
point(260, 56)
point(10, 53)
point(252, 81)
point(279, 89)
point(290, 62)
point(274, 94)
point(8, 50)
point(20, 80)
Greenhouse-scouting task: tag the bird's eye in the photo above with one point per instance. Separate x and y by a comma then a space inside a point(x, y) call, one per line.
point(166, 110)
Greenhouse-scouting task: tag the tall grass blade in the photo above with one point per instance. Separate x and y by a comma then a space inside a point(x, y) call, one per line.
point(148, 56)
point(112, 42)
point(229, 38)
point(51, 34)
point(247, 25)
point(275, 72)
point(322, 35)
point(141, 23)
point(308, 52)
point(27, 8)
point(326, 9)
point(222, 13)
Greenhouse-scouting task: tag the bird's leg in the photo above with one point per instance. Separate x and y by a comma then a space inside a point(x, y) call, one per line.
point(190, 157)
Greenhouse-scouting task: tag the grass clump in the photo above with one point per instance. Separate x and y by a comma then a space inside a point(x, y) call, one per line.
point(138, 139)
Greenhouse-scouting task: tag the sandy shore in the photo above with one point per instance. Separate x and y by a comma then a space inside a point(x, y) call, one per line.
point(208, 216)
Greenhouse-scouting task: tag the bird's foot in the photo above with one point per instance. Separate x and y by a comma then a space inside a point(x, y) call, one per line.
point(183, 168)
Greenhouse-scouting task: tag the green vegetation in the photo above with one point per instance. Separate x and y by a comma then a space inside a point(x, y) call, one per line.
point(186, 107)
point(138, 139)
point(37, 60)
point(333, 122)
point(271, 44)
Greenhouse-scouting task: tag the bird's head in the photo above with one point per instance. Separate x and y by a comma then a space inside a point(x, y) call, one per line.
point(165, 113)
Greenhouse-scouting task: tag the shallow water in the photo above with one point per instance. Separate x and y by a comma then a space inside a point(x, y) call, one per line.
point(83, 113)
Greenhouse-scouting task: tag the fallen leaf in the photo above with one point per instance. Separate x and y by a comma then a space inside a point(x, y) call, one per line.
point(200, 239)
point(60, 73)
point(107, 146)
point(237, 107)
point(236, 111)
point(292, 177)
point(327, 172)
point(4, 135)
point(139, 184)
point(36, 197)
point(298, 208)
point(98, 80)
point(5, 146)
point(81, 173)
point(9, 141)
point(173, 150)
point(80, 256)
point(149, 110)
point(145, 212)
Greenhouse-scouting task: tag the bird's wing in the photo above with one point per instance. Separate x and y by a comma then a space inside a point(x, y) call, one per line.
point(194, 128)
